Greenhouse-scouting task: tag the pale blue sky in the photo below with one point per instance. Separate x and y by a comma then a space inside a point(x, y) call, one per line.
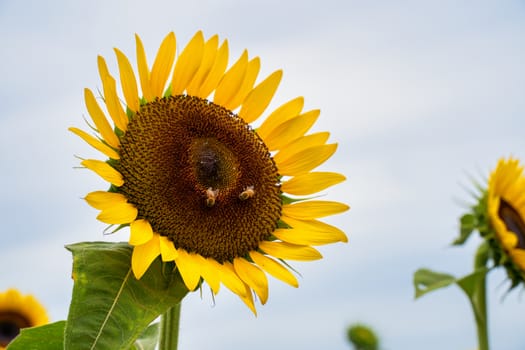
point(419, 94)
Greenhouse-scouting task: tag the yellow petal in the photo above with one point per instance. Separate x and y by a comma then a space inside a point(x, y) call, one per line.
point(95, 143)
point(111, 99)
point(274, 268)
point(314, 225)
point(128, 82)
point(309, 183)
point(283, 250)
point(305, 160)
point(252, 70)
point(308, 210)
point(167, 249)
point(143, 255)
point(118, 214)
point(143, 69)
point(259, 98)
point(102, 124)
point(104, 170)
point(247, 298)
point(230, 279)
point(305, 237)
point(210, 270)
point(188, 268)
point(283, 113)
point(301, 144)
point(231, 81)
point(162, 65)
point(291, 130)
point(208, 59)
point(101, 199)
point(216, 73)
point(140, 232)
point(253, 277)
point(187, 64)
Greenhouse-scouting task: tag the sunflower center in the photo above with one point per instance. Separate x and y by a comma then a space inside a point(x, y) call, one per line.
point(200, 176)
point(10, 325)
point(513, 221)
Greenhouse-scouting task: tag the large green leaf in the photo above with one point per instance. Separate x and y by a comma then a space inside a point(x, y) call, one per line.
point(46, 337)
point(110, 309)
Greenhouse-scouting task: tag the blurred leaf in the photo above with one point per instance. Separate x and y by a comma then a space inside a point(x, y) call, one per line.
point(110, 309)
point(46, 337)
point(149, 338)
point(467, 226)
point(426, 281)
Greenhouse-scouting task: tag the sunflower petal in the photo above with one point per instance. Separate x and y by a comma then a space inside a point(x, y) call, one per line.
point(187, 64)
point(143, 69)
point(308, 210)
point(128, 82)
point(123, 213)
point(288, 251)
point(231, 280)
point(101, 199)
point(314, 225)
point(189, 270)
point(274, 268)
point(247, 298)
point(143, 255)
point(304, 237)
point(104, 170)
point(231, 81)
point(210, 273)
point(313, 182)
point(162, 65)
point(102, 124)
point(216, 72)
point(167, 249)
point(95, 143)
point(208, 59)
point(283, 113)
point(140, 232)
point(305, 160)
point(253, 277)
point(252, 70)
point(291, 130)
point(110, 96)
point(259, 98)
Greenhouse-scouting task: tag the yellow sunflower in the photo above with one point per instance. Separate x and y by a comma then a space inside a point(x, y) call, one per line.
point(18, 311)
point(196, 183)
point(506, 211)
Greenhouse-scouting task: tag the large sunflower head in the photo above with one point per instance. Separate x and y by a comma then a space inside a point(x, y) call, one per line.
point(195, 181)
point(499, 216)
point(18, 311)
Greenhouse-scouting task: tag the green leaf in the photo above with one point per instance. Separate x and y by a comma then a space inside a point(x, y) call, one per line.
point(46, 337)
point(467, 226)
point(149, 338)
point(110, 308)
point(426, 281)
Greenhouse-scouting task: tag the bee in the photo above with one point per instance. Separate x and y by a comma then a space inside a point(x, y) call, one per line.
point(248, 192)
point(211, 196)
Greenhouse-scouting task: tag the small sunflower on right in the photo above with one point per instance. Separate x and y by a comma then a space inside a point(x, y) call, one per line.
point(499, 217)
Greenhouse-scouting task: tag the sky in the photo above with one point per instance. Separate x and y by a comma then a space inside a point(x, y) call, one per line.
point(421, 96)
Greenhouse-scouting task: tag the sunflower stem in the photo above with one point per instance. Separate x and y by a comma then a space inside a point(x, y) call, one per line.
point(479, 298)
point(169, 328)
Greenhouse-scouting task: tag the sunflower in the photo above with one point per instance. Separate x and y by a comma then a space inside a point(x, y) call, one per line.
point(193, 179)
point(506, 212)
point(18, 311)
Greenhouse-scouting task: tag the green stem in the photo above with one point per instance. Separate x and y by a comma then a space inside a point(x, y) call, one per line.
point(169, 328)
point(479, 299)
